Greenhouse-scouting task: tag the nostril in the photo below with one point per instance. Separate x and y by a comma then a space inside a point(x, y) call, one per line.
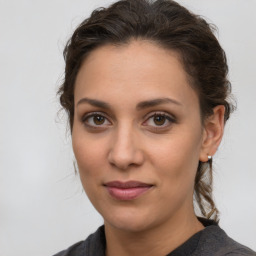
point(123, 160)
point(125, 150)
point(120, 160)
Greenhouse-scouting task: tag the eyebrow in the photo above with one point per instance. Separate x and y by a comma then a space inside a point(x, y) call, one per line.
point(95, 103)
point(156, 102)
point(139, 106)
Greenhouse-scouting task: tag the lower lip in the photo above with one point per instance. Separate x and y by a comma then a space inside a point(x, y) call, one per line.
point(126, 194)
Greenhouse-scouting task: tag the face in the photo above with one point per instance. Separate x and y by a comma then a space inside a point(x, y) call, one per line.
point(137, 135)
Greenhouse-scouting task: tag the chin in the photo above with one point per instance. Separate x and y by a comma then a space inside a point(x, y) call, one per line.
point(130, 221)
point(130, 226)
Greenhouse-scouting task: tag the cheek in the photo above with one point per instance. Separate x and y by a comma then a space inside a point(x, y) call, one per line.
point(177, 150)
point(89, 155)
point(177, 166)
point(177, 157)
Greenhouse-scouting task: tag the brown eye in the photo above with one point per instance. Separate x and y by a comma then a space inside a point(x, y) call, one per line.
point(95, 120)
point(98, 120)
point(159, 120)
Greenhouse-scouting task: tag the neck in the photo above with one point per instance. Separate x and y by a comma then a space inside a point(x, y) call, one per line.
point(159, 240)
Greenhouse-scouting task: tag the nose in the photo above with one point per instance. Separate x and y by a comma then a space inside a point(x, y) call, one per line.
point(125, 150)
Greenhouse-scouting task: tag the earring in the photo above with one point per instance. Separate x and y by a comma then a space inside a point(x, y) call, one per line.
point(209, 158)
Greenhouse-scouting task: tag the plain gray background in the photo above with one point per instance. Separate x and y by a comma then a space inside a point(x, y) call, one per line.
point(42, 207)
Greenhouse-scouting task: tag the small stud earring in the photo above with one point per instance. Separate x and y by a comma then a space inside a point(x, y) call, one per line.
point(209, 158)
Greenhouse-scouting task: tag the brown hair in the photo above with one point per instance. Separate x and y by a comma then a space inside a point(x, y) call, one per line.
point(171, 26)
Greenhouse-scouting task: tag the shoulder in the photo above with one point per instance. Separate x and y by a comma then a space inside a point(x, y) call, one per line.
point(93, 245)
point(215, 242)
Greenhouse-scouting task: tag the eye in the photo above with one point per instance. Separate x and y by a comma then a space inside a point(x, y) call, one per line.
point(95, 120)
point(159, 120)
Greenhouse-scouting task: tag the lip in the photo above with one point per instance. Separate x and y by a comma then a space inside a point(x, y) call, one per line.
point(126, 191)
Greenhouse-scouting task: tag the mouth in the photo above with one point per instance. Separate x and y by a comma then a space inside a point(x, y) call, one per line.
point(126, 191)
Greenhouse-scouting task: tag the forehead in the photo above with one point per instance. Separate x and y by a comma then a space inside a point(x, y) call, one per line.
point(135, 71)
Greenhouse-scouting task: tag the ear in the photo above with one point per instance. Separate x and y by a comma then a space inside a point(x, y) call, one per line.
point(212, 133)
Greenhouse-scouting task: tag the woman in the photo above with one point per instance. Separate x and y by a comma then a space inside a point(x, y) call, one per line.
point(146, 93)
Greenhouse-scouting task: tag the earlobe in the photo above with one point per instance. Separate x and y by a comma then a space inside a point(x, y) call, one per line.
point(212, 134)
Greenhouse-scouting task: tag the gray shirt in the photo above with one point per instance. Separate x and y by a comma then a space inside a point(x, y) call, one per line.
point(211, 241)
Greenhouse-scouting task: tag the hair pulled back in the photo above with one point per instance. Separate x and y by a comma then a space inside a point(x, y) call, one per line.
point(173, 27)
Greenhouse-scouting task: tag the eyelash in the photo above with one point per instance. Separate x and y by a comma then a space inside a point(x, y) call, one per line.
point(93, 115)
point(167, 118)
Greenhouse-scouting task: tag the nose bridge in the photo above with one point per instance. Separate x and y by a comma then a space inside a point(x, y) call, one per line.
point(124, 149)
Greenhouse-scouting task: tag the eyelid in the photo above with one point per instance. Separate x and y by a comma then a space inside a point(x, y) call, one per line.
point(171, 118)
point(163, 113)
point(95, 113)
point(92, 113)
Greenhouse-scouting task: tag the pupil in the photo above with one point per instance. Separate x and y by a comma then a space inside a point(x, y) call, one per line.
point(98, 120)
point(159, 120)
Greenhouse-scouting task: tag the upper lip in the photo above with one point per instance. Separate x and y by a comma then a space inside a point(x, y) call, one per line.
point(127, 184)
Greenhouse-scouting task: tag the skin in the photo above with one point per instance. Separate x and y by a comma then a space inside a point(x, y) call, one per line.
point(127, 143)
